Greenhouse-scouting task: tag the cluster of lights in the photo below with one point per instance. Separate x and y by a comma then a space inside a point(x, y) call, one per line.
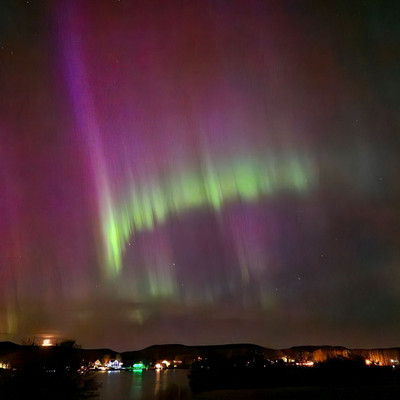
point(162, 365)
point(306, 364)
point(372, 362)
point(288, 360)
point(113, 365)
point(138, 367)
point(376, 362)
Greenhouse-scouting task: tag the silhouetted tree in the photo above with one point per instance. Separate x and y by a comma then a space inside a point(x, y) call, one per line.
point(69, 344)
point(29, 341)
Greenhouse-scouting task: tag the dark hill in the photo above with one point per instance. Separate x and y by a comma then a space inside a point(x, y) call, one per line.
point(188, 354)
point(20, 356)
point(8, 347)
point(313, 348)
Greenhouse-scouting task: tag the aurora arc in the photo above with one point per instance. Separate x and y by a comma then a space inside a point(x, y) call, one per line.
point(213, 185)
point(132, 198)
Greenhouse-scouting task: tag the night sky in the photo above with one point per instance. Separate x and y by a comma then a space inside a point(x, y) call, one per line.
point(200, 172)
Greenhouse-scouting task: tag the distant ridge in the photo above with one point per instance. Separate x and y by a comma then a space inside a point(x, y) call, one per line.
point(313, 348)
point(8, 347)
point(16, 354)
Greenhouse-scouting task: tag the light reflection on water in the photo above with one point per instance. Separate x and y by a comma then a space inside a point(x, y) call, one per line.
point(136, 388)
point(146, 385)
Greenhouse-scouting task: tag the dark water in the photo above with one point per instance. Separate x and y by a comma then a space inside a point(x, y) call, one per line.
point(146, 385)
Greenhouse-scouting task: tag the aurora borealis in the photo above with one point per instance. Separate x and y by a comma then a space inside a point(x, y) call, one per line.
point(246, 180)
point(200, 172)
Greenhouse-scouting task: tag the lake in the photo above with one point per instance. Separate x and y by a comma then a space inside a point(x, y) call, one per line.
point(174, 385)
point(146, 385)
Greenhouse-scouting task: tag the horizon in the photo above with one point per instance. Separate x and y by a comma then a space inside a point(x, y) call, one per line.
point(318, 346)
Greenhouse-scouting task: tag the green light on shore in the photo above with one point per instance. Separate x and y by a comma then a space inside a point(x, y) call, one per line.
point(138, 367)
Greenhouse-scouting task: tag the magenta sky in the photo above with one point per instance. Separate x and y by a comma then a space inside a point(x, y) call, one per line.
point(199, 172)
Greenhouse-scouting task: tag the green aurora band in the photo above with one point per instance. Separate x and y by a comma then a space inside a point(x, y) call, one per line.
point(245, 179)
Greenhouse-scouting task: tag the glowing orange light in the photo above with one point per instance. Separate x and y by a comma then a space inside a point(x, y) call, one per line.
point(309, 363)
point(368, 362)
point(47, 343)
